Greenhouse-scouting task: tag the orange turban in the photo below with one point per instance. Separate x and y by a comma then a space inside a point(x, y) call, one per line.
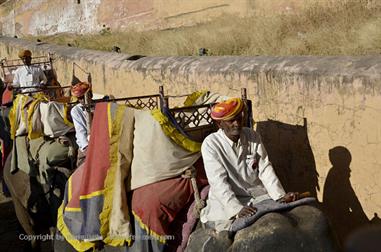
point(25, 53)
point(79, 89)
point(227, 110)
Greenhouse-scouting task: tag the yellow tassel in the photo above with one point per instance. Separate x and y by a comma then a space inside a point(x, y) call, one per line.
point(171, 132)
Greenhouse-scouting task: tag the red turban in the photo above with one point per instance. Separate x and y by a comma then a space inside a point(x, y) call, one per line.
point(79, 89)
point(227, 110)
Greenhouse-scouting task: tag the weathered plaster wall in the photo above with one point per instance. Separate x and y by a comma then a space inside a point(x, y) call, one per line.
point(35, 17)
point(340, 97)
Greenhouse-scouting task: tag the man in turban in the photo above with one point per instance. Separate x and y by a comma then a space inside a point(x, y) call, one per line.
point(28, 75)
point(238, 169)
point(81, 118)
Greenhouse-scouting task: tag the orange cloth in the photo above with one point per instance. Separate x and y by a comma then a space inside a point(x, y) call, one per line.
point(25, 53)
point(227, 110)
point(79, 89)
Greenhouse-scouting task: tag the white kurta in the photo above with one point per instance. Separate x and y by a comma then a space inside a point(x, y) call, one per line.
point(238, 174)
point(29, 76)
point(79, 116)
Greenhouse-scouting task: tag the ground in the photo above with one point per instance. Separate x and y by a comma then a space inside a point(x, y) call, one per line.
point(9, 240)
point(10, 230)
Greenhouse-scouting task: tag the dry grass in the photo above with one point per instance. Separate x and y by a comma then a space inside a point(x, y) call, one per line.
point(344, 28)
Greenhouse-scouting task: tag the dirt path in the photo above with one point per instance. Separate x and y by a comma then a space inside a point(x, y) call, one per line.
point(11, 237)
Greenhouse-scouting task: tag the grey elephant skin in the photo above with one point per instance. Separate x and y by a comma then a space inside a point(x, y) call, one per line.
point(304, 228)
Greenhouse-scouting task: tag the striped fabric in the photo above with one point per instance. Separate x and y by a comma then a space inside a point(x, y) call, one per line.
point(227, 110)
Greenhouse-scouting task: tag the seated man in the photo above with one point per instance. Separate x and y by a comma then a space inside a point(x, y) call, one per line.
point(238, 169)
point(81, 119)
point(28, 75)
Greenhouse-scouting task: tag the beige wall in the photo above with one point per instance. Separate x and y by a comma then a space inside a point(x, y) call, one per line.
point(340, 97)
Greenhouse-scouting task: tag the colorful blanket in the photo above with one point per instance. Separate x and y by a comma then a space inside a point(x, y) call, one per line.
point(35, 116)
point(95, 205)
point(160, 151)
point(146, 157)
point(32, 118)
point(162, 208)
point(5, 140)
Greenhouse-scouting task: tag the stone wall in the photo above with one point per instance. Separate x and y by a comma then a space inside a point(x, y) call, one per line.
point(315, 114)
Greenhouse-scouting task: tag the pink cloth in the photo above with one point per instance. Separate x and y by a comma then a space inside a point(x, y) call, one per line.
point(191, 221)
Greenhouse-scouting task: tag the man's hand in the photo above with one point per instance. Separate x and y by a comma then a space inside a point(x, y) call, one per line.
point(289, 197)
point(246, 211)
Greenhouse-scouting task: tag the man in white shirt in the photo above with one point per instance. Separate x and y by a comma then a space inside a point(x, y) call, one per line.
point(81, 119)
point(28, 75)
point(238, 169)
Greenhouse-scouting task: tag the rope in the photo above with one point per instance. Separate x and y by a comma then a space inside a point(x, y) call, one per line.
point(79, 67)
point(200, 204)
point(65, 140)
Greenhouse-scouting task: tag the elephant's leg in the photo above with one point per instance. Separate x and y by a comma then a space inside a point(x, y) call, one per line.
point(19, 188)
point(26, 222)
point(17, 184)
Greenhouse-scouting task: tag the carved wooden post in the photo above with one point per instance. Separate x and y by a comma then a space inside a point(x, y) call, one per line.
point(163, 99)
point(88, 103)
point(249, 112)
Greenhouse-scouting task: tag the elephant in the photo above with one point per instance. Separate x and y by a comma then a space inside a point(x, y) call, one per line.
point(303, 228)
point(36, 203)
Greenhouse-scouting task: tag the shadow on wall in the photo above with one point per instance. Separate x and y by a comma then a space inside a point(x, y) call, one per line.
point(339, 199)
point(290, 153)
